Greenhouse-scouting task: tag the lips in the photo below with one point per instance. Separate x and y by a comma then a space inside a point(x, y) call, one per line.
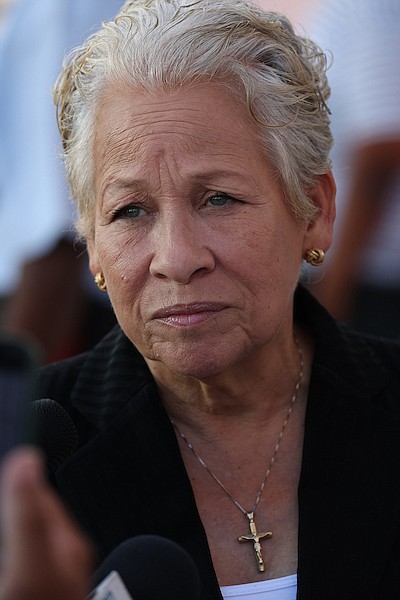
point(188, 314)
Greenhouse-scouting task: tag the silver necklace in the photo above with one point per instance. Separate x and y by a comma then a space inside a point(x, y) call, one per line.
point(254, 536)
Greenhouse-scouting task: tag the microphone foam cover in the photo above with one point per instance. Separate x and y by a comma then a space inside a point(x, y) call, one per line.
point(153, 568)
point(54, 430)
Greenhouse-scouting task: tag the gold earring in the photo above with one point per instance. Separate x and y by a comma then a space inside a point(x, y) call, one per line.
point(100, 282)
point(314, 257)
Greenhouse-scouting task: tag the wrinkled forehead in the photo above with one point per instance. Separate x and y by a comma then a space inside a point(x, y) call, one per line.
point(192, 124)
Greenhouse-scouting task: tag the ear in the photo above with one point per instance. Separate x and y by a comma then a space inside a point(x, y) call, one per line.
point(94, 263)
point(320, 228)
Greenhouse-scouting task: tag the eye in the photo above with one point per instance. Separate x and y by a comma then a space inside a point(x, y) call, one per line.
point(220, 199)
point(129, 212)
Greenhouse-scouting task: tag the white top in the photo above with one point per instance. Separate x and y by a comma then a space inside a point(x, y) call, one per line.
point(283, 588)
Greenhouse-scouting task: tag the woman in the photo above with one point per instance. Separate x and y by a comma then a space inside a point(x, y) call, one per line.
point(227, 411)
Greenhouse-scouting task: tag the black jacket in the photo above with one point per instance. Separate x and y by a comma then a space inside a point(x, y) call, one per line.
point(127, 477)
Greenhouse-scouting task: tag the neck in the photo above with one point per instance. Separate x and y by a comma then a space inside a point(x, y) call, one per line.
point(253, 392)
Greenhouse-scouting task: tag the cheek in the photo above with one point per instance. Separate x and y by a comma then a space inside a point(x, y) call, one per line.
point(120, 255)
point(125, 269)
point(269, 253)
point(270, 275)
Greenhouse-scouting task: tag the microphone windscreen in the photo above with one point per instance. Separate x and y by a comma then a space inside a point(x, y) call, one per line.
point(153, 567)
point(54, 431)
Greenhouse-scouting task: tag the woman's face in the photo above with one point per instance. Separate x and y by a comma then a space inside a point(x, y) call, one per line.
point(198, 248)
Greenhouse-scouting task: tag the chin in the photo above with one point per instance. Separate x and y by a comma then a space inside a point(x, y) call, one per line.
point(197, 356)
point(195, 363)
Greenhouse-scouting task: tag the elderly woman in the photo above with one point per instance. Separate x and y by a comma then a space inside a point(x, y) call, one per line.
point(227, 411)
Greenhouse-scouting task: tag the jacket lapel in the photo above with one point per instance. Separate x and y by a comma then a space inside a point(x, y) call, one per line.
point(136, 451)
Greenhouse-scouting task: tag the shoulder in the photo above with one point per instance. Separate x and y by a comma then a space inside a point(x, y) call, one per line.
point(370, 365)
point(388, 352)
point(88, 393)
point(95, 384)
point(57, 379)
point(367, 366)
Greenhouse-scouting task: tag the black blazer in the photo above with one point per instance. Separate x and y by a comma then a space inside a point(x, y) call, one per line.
point(127, 477)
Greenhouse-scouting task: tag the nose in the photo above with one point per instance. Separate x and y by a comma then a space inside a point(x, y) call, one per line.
point(180, 251)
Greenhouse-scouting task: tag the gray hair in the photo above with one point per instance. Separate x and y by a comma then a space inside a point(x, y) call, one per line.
point(153, 44)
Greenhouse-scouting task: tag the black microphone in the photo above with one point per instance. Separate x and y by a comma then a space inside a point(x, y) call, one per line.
point(53, 431)
point(147, 567)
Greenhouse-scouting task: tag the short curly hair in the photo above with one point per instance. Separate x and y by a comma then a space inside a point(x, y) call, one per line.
point(153, 44)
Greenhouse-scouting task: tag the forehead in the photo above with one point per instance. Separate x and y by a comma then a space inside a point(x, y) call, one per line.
point(205, 120)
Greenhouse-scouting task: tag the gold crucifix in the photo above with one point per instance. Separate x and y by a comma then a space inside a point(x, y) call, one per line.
point(255, 537)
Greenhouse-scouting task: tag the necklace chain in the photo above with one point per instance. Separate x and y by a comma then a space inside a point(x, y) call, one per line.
point(271, 462)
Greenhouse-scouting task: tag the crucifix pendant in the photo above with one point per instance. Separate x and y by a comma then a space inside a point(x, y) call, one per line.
point(255, 537)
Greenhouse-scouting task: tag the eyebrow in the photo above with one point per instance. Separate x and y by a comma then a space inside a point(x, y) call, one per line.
point(206, 177)
point(132, 183)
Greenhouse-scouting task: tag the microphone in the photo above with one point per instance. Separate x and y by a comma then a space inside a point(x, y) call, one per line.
point(22, 420)
point(147, 567)
point(54, 431)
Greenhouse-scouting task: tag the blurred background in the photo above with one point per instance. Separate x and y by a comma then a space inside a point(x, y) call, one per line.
point(45, 289)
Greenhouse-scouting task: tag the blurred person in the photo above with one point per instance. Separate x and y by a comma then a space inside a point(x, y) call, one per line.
point(297, 10)
point(42, 273)
point(227, 410)
point(43, 555)
point(362, 279)
point(4, 7)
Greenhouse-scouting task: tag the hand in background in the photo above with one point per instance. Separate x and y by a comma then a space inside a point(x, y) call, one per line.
point(43, 554)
